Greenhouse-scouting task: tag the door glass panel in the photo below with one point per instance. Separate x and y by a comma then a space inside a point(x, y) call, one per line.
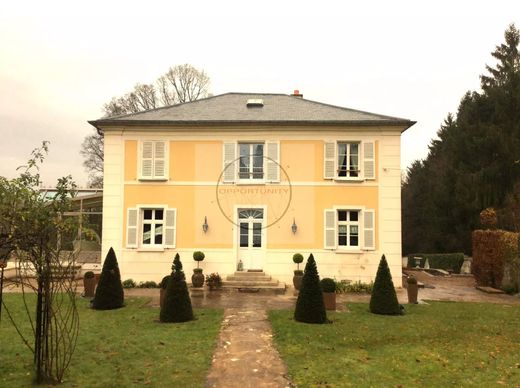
point(257, 235)
point(244, 234)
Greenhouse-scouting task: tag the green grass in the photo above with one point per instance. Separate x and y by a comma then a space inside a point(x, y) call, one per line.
point(121, 347)
point(440, 344)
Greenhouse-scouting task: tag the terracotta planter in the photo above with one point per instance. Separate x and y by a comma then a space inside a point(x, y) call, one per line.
point(197, 279)
point(297, 280)
point(413, 291)
point(329, 298)
point(89, 285)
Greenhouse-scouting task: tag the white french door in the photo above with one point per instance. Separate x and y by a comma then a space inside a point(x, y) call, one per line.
point(251, 237)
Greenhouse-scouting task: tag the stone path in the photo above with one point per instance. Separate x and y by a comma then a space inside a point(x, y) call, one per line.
point(245, 355)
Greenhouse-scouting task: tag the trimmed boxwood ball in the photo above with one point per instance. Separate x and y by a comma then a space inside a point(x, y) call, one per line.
point(384, 299)
point(198, 256)
point(309, 306)
point(177, 303)
point(297, 259)
point(109, 292)
point(328, 285)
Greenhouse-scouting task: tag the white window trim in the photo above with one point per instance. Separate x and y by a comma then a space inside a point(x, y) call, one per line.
point(166, 161)
point(251, 181)
point(360, 159)
point(153, 247)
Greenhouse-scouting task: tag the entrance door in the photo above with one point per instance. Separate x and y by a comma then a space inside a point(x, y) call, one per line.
point(251, 238)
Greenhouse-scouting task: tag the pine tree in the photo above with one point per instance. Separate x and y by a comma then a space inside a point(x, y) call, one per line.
point(177, 303)
point(109, 292)
point(309, 305)
point(384, 299)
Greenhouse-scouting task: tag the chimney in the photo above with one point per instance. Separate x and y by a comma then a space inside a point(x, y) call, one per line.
point(297, 94)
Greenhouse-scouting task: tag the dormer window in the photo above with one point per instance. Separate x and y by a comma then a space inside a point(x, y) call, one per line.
point(255, 103)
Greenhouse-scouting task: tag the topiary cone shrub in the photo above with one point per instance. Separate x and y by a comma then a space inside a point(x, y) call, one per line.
point(384, 299)
point(309, 305)
point(109, 291)
point(177, 302)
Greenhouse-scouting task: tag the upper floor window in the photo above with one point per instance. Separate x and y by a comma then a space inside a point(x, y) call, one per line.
point(348, 160)
point(153, 160)
point(251, 164)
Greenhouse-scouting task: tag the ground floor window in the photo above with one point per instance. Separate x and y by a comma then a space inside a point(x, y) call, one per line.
point(152, 226)
point(348, 228)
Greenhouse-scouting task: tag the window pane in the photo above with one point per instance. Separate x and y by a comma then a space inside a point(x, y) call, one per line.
point(342, 165)
point(257, 235)
point(159, 214)
point(147, 233)
point(258, 150)
point(354, 149)
point(342, 148)
point(342, 215)
point(244, 234)
point(342, 240)
point(354, 241)
point(354, 216)
point(158, 234)
point(353, 230)
point(342, 229)
point(244, 149)
point(148, 214)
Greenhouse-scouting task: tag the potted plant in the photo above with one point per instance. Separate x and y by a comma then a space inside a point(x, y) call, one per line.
point(328, 289)
point(162, 285)
point(89, 284)
point(298, 273)
point(197, 279)
point(412, 289)
point(213, 281)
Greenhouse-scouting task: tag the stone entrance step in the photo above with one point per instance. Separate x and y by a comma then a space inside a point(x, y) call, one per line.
point(252, 281)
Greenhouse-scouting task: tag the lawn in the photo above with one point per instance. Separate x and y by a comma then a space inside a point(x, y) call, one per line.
point(121, 347)
point(439, 344)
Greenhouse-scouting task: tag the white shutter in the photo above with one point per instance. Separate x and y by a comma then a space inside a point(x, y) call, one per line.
point(147, 159)
point(272, 161)
point(169, 228)
point(329, 239)
point(369, 230)
point(329, 162)
point(369, 163)
point(159, 165)
point(131, 228)
point(230, 173)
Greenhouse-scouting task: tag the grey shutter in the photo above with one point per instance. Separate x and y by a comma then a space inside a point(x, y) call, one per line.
point(131, 228)
point(147, 159)
point(169, 228)
point(229, 168)
point(329, 161)
point(159, 159)
point(369, 230)
point(329, 227)
point(272, 161)
point(369, 163)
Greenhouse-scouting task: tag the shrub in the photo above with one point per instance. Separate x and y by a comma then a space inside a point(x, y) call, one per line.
point(148, 284)
point(488, 218)
point(109, 292)
point(411, 280)
point(445, 261)
point(129, 283)
point(359, 287)
point(164, 282)
point(177, 303)
point(328, 285)
point(198, 256)
point(384, 299)
point(297, 259)
point(214, 280)
point(88, 275)
point(309, 305)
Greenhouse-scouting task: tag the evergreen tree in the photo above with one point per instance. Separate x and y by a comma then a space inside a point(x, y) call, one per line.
point(384, 299)
point(109, 291)
point(309, 305)
point(177, 303)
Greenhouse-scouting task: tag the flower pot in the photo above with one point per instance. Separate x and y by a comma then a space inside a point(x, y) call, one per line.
point(197, 279)
point(329, 299)
point(297, 279)
point(89, 285)
point(413, 291)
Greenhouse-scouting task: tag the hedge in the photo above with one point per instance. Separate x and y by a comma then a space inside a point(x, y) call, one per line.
point(446, 261)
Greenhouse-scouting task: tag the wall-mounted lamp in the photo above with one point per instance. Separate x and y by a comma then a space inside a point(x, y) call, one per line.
point(294, 227)
point(205, 225)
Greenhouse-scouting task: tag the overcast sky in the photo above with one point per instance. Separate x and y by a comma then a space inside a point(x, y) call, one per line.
point(60, 61)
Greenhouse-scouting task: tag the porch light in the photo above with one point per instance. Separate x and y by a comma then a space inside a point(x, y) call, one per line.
point(294, 227)
point(205, 225)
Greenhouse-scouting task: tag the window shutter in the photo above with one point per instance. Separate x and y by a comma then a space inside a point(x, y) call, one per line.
point(329, 162)
point(330, 229)
point(159, 165)
point(369, 230)
point(272, 161)
point(147, 159)
point(369, 165)
point(131, 228)
point(229, 167)
point(169, 228)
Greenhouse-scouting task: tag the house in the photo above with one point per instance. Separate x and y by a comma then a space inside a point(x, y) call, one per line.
point(250, 179)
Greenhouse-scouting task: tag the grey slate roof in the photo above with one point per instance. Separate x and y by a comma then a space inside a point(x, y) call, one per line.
point(231, 108)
